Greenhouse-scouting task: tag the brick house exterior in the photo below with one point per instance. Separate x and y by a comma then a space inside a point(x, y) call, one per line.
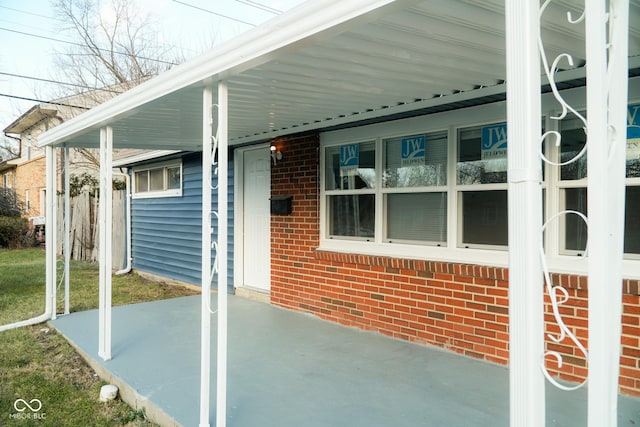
point(463, 308)
point(30, 185)
point(28, 168)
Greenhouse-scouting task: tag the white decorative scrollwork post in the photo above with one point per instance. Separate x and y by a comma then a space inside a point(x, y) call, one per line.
point(607, 81)
point(606, 33)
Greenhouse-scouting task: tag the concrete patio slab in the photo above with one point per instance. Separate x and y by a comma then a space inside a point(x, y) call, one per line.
point(290, 369)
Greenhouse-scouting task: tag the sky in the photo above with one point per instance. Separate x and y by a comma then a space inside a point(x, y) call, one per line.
point(27, 28)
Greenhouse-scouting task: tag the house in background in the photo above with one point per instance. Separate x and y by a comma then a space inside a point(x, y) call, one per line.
point(366, 175)
point(28, 168)
point(26, 172)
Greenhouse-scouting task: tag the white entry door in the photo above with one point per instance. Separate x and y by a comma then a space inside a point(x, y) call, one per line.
point(256, 190)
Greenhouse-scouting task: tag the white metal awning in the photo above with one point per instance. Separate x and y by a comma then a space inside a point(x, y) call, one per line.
point(329, 63)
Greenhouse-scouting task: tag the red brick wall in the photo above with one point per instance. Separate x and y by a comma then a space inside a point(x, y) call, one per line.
point(31, 176)
point(459, 307)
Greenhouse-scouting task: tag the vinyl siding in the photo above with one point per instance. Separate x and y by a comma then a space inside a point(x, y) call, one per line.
point(166, 231)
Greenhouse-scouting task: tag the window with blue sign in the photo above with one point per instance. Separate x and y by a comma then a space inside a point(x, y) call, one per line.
point(482, 155)
point(351, 179)
point(351, 166)
point(482, 160)
point(396, 189)
point(414, 183)
point(415, 161)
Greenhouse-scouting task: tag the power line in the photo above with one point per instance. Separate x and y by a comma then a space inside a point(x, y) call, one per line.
point(214, 13)
point(42, 101)
point(22, 76)
point(83, 45)
point(29, 13)
point(260, 6)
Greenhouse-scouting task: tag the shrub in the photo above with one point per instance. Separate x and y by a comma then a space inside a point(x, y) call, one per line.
point(10, 205)
point(14, 231)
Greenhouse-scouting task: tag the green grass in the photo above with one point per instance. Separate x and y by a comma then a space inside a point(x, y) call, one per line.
point(37, 363)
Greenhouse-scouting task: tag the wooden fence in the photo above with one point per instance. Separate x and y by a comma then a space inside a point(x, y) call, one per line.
point(83, 230)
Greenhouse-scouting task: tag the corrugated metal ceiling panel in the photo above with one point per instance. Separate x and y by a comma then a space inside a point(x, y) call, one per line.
point(398, 60)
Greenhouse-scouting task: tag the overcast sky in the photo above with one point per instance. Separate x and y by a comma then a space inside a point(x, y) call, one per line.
point(27, 28)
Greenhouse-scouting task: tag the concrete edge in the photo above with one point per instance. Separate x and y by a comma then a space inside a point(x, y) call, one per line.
point(127, 393)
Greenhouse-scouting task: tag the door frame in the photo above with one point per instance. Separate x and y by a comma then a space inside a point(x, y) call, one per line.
point(238, 213)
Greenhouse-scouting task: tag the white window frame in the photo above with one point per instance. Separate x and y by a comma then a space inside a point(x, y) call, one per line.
point(170, 164)
point(448, 122)
point(563, 185)
point(558, 259)
point(384, 192)
point(458, 189)
point(352, 192)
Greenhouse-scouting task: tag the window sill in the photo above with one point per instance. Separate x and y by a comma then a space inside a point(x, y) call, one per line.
point(485, 257)
point(561, 264)
point(157, 194)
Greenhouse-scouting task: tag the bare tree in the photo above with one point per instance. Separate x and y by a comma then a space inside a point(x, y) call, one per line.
point(9, 148)
point(115, 47)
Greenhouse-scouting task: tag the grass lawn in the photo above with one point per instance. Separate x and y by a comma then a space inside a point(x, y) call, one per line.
point(37, 363)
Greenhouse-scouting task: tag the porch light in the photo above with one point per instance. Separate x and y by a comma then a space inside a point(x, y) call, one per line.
point(275, 154)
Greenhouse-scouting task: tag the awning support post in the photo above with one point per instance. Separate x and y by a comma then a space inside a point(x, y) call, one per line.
point(67, 219)
point(221, 254)
point(205, 315)
point(526, 380)
point(607, 81)
point(50, 230)
point(105, 224)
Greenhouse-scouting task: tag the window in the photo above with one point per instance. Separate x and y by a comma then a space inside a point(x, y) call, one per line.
point(163, 180)
point(481, 174)
point(408, 189)
point(350, 181)
point(414, 186)
point(435, 187)
point(573, 185)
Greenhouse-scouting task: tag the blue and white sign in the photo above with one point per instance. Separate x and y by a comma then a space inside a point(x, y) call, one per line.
point(494, 142)
point(349, 156)
point(413, 150)
point(633, 123)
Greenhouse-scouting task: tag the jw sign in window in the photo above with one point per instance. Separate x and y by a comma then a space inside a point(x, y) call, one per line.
point(435, 186)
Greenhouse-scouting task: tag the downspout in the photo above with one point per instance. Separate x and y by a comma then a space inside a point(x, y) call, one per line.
point(128, 266)
point(33, 321)
point(50, 283)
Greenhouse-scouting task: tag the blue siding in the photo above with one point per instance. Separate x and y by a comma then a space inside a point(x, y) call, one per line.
point(166, 231)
